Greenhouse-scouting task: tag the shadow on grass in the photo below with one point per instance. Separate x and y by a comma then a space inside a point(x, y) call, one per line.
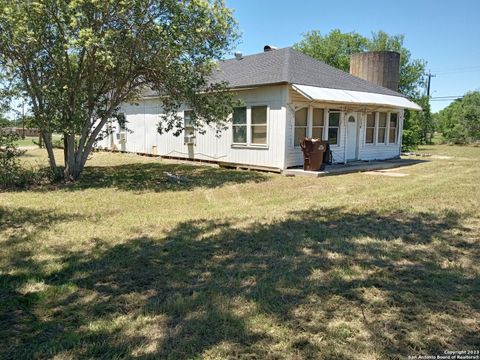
point(323, 283)
point(18, 227)
point(154, 177)
point(20, 224)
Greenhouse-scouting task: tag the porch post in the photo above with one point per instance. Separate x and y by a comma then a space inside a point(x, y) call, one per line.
point(344, 122)
point(309, 121)
point(400, 131)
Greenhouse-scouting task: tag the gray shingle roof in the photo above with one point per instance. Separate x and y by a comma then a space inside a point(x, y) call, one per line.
point(293, 67)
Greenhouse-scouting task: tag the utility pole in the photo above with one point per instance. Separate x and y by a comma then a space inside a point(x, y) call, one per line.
point(427, 112)
point(23, 120)
point(429, 75)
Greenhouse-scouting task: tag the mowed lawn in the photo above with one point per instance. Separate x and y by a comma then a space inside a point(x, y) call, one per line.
point(237, 264)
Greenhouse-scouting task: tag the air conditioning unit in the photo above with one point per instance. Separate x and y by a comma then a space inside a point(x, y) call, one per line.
point(189, 139)
point(122, 137)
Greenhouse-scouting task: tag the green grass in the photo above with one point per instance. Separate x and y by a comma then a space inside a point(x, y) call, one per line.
point(28, 141)
point(234, 264)
point(31, 141)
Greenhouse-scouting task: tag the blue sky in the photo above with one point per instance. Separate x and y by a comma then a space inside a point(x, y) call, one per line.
point(444, 33)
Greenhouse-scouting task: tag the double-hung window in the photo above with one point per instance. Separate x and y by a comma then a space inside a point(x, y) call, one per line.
point(334, 127)
point(318, 122)
point(259, 125)
point(382, 128)
point(189, 128)
point(300, 126)
point(249, 125)
point(370, 129)
point(392, 135)
point(239, 125)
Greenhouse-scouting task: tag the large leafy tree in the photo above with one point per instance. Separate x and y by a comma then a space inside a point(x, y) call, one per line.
point(335, 49)
point(4, 100)
point(4, 122)
point(459, 122)
point(79, 60)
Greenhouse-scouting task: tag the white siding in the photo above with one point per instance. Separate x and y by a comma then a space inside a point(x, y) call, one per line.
point(142, 120)
point(380, 151)
point(280, 153)
point(294, 156)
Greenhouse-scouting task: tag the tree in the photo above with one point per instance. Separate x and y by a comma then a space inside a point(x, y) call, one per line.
point(79, 60)
point(4, 121)
point(459, 122)
point(335, 49)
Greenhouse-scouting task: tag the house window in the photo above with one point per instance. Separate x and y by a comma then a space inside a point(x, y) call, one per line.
point(370, 129)
point(249, 125)
point(382, 128)
point(188, 127)
point(392, 137)
point(318, 123)
point(333, 128)
point(300, 126)
point(239, 125)
point(259, 125)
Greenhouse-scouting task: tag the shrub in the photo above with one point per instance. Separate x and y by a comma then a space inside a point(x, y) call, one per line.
point(12, 173)
point(459, 122)
point(9, 163)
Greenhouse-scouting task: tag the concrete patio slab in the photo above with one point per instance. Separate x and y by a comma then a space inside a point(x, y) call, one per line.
point(356, 166)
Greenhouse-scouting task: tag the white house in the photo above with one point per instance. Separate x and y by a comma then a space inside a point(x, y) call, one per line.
point(286, 95)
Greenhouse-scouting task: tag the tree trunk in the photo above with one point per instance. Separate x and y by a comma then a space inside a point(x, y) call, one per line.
point(47, 139)
point(73, 168)
point(77, 156)
point(73, 171)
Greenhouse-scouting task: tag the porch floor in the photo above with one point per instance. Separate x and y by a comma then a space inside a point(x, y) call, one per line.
point(354, 166)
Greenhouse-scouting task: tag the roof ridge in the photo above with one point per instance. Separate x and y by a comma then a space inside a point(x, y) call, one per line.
point(256, 54)
point(286, 65)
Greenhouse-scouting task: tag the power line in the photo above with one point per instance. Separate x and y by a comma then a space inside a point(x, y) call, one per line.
point(458, 72)
point(451, 99)
point(459, 69)
point(449, 96)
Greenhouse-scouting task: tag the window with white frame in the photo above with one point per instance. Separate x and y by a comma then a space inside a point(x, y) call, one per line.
point(259, 125)
point(393, 131)
point(382, 128)
point(334, 127)
point(318, 122)
point(300, 131)
point(370, 129)
point(189, 128)
point(239, 125)
point(250, 125)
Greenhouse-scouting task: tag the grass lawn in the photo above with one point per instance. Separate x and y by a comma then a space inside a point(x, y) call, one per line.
point(33, 140)
point(237, 264)
point(28, 141)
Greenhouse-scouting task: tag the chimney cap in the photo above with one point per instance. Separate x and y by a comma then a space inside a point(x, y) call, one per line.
point(267, 48)
point(238, 55)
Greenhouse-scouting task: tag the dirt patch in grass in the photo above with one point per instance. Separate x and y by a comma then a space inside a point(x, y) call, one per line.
point(386, 173)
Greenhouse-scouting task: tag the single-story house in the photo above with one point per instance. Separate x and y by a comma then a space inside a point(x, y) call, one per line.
point(287, 96)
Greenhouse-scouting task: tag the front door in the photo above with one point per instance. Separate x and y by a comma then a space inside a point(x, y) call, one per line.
point(352, 138)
